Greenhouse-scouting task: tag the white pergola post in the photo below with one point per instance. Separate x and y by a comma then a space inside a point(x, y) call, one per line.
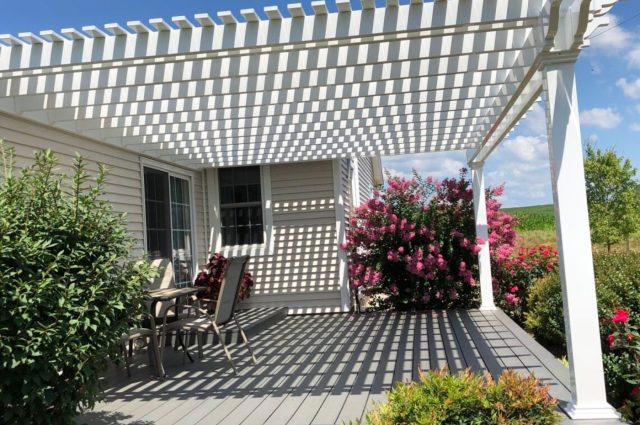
point(482, 231)
point(588, 396)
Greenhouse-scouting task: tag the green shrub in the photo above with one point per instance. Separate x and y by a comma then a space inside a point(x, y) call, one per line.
point(467, 398)
point(67, 290)
point(617, 286)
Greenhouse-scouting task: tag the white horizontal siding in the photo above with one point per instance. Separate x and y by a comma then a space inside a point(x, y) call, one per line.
point(365, 178)
point(302, 271)
point(123, 187)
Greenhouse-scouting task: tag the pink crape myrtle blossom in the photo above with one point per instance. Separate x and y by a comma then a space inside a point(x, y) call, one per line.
point(414, 242)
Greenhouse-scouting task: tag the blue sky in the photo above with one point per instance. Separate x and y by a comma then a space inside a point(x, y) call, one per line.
point(608, 86)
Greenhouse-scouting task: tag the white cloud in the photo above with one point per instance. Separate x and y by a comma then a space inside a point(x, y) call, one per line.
point(635, 127)
point(633, 57)
point(437, 164)
point(535, 122)
point(592, 138)
point(522, 164)
point(526, 148)
point(617, 41)
point(605, 118)
point(612, 38)
point(630, 88)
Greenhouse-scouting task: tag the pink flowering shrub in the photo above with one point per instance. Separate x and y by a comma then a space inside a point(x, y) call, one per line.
point(213, 275)
point(413, 245)
point(514, 274)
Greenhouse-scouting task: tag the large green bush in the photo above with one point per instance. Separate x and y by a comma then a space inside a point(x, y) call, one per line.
point(67, 290)
point(440, 398)
point(617, 286)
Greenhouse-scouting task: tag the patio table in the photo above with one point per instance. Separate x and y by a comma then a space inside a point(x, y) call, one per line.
point(168, 294)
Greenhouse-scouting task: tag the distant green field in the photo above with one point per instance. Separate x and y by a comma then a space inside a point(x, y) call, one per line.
point(536, 217)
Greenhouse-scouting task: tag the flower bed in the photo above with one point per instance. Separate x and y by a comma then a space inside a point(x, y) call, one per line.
point(618, 291)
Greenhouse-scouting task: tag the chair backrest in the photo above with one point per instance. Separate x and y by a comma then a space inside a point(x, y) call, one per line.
point(163, 281)
point(165, 274)
point(228, 296)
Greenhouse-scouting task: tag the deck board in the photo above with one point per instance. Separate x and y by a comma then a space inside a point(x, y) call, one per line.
point(322, 369)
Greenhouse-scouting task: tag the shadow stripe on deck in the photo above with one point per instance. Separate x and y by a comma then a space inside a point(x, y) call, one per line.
point(322, 369)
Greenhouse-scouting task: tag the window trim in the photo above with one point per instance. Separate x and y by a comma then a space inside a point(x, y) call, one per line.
point(215, 237)
point(181, 173)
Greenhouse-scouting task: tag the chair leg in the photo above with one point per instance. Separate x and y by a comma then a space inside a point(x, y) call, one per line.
point(184, 346)
point(156, 356)
point(200, 336)
point(245, 339)
point(127, 359)
point(224, 346)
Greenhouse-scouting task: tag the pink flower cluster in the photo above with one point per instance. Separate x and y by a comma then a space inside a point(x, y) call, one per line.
point(415, 242)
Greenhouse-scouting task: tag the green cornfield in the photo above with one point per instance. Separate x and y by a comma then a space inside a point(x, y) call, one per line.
point(536, 217)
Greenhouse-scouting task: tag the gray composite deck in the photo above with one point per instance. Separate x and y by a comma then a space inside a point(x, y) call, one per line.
point(323, 369)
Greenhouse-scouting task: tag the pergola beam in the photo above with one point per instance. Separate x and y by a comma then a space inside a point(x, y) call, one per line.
point(253, 37)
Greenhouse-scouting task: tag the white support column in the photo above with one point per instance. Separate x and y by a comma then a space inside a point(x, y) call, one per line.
point(482, 231)
point(588, 396)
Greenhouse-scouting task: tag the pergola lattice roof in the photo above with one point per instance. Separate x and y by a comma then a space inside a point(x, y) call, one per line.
point(418, 77)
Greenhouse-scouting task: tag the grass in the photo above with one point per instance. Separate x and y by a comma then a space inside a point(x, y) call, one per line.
point(537, 227)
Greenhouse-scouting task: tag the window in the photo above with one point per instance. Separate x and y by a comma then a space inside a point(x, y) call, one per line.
point(241, 206)
point(168, 219)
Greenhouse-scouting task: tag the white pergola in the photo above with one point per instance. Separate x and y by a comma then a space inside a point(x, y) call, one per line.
point(278, 87)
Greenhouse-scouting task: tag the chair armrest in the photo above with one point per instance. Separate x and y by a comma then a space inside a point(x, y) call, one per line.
point(198, 311)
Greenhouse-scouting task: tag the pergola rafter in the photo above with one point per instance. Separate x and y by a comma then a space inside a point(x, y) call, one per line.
point(254, 87)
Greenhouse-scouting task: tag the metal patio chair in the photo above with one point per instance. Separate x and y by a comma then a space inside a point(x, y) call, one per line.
point(150, 336)
point(202, 322)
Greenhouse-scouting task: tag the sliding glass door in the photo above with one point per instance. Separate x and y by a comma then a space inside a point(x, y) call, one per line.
point(168, 221)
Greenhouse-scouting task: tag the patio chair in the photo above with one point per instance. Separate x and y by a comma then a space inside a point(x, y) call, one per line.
point(150, 335)
point(202, 322)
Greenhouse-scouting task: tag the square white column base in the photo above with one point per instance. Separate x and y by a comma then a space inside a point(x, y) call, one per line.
point(584, 413)
point(488, 307)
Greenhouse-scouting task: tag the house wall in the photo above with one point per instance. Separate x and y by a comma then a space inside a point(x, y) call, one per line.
point(124, 182)
point(301, 269)
point(365, 179)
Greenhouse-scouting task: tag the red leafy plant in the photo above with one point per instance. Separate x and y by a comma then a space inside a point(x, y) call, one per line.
point(624, 341)
point(213, 275)
point(413, 245)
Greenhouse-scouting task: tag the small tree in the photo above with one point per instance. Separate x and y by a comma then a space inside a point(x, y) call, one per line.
point(612, 196)
point(67, 289)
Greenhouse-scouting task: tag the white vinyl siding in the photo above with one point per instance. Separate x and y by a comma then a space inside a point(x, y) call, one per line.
point(124, 181)
point(302, 272)
point(365, 178)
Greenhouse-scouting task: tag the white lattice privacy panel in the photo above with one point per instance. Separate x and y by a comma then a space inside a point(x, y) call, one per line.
point(295, 85)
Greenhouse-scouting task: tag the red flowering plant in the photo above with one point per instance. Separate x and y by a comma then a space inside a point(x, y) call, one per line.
point(413, 245)
point(515, 273)
point(624, 342)
point(213, 275)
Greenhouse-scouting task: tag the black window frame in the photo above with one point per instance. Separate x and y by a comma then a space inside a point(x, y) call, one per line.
point(240, 198)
